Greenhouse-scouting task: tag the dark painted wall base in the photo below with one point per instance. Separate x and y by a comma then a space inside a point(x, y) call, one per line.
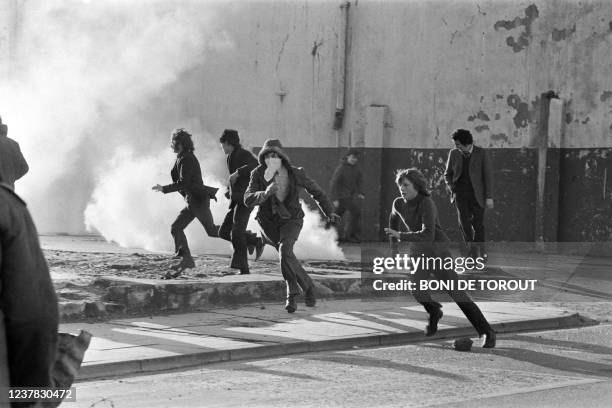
point(585, 189)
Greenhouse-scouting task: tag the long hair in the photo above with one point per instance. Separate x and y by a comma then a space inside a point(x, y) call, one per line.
point(182, 137)
point(414, 176)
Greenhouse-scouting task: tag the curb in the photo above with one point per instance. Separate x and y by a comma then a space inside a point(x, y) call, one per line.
point(135, 367)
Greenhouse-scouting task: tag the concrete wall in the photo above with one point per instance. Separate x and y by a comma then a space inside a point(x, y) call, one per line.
point(490, 66)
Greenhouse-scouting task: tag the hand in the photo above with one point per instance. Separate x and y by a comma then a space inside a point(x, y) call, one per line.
point(393, 233)
point(157, 187)
point(336, 203)
point(272, 189)
point(361, 196)
point(335, 218)
point(490, 204)
point(233, 177)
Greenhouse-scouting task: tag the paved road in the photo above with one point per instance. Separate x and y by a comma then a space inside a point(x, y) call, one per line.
point(564, 368)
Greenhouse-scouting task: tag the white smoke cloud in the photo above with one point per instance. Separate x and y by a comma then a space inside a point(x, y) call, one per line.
point(95, 89)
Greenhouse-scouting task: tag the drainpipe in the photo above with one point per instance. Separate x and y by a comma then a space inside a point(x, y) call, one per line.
point(341, 66)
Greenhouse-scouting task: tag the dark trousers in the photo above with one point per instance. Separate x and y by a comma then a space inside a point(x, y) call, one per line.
point(234, 229)
point(282, 234)
point(199, 209)
point(471, 222)
point(31, 350)
point(460, 297)
point(353, 225)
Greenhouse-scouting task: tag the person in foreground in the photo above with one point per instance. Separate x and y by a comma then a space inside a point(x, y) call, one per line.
point(240, 163)
point(187, 180)
point(418, 213)
point(274, 187)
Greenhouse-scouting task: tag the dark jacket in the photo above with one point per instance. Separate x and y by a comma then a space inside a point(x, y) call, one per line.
point(187, 178)
point(27, 297)
point(419, 217)
point(480, 173)
point(255, 193)
point(346, 181)
point(243, 162)
point(13, 165)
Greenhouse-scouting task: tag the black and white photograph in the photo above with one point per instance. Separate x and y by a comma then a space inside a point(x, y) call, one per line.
point(306, 203)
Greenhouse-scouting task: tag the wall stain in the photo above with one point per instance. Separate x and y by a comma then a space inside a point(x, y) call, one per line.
point(499, 137)
point(584, 122)
point(481, 128)
point(497, 116)
point(605, 96)
point(480, 115)
point(560, 35)
point(521, 119)
point(522, 41)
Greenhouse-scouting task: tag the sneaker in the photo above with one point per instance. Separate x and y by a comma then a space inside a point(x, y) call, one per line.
point(290, 305)
point(434, 318)
point(489, 339)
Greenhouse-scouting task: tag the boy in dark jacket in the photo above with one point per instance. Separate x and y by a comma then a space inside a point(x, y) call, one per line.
point(346, 193)
point(275, 186)
point(187, 180)
point(240, 163)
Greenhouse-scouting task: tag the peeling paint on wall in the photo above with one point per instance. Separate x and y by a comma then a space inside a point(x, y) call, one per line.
point(522, 116)
point(519, 44)
point(605, 96)
point(560, 35)
point(481, 128)
point(499, 137)
point(480, 116)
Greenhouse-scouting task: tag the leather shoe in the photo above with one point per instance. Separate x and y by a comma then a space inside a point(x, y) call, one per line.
point(259, 248)
point(290, 305)
point(434, 318)
point(309, 297)
point(489, 339)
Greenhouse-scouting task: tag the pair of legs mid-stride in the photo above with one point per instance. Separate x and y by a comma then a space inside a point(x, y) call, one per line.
point(282, 235)
point(460, 297)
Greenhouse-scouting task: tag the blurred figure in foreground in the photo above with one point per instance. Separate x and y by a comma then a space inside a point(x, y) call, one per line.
point(13, 165)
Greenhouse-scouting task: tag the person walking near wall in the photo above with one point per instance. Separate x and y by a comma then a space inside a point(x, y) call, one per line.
point(417, 212)
point(240, 163)
point(187, 180)
point(275, 186)
point(347, 195)
point(13, 165)
point(469, 182)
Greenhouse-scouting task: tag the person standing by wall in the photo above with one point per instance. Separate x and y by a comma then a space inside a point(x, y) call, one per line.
point(275, 186)
point(347, 195)
point(187, 180)
point(469, 182)
point(13, 165)
point(240, 163)
point(416, 211)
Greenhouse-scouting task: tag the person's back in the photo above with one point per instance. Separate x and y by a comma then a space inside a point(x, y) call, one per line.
point(13, 165)
point(27, 296)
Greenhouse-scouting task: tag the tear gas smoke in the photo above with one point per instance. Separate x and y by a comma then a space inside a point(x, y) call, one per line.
point(94, 90)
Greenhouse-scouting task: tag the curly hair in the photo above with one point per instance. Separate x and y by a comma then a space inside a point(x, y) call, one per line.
point(414, 176)
point(182, 137)
point(463, 136)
